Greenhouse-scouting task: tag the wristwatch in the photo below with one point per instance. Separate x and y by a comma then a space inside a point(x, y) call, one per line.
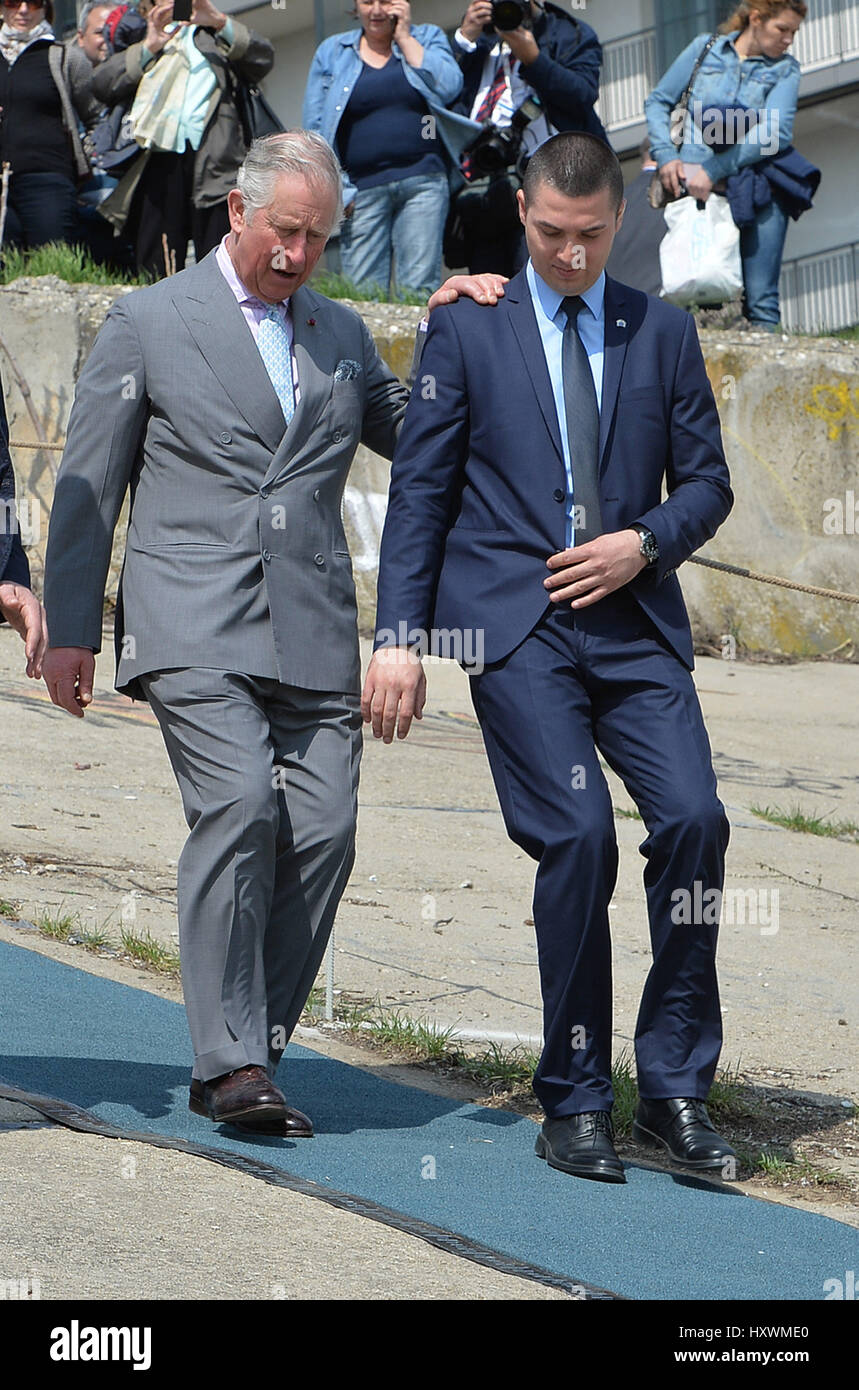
point(649, 546)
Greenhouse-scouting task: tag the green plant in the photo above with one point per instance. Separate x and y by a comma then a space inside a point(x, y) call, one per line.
point(150, 952)
point(794, 818)
point(336, 286)
point(70, 263)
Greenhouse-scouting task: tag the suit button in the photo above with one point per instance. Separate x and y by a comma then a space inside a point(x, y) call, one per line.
point(266, 555)
point(337, 436)
point(316, 494)
point(264, 491)
point(558, 495)
point(319, 559)
point(225, 437)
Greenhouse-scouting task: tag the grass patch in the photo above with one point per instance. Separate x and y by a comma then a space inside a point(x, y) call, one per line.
point(780, 1166)
point(335, 286)
point(70, 263)
point(794, 818)
point(8, 909)
point(58, 928)
point(148, 951)
point(626, 815)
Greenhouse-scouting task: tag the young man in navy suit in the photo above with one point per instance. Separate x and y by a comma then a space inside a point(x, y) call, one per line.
point(526, 514)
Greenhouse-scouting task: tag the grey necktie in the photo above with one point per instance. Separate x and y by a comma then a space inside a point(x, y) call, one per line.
point(583, 425)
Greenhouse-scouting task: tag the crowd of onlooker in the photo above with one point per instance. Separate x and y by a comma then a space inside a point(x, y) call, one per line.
point(127, 136)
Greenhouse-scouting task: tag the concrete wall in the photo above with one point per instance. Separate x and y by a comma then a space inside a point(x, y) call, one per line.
point(790, 417)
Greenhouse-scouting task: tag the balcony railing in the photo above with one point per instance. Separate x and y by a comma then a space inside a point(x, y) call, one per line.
point(820, 293)
point(829, 35)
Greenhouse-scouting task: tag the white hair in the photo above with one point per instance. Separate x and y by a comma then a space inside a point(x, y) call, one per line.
point(297, 152)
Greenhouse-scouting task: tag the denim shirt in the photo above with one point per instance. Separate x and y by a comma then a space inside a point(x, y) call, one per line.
point(337, 66)
point(769, 86)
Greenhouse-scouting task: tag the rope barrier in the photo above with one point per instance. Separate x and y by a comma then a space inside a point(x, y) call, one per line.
point(693, 559)
point(25, 444)
point(774, 579)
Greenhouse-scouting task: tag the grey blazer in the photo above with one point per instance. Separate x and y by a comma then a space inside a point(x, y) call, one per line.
point(236, 557)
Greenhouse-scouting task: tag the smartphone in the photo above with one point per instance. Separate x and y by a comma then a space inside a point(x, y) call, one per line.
point(182, 9)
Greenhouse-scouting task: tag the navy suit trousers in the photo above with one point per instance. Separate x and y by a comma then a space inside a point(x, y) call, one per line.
point(603, 678)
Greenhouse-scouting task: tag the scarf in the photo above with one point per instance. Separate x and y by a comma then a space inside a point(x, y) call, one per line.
point(14, 41)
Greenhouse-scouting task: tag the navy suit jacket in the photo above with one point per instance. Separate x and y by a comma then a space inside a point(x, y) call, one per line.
point(565, 76)
point(478, 486)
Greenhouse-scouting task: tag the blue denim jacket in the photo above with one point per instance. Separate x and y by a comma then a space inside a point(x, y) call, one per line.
point(769, 86)
point(336, 68)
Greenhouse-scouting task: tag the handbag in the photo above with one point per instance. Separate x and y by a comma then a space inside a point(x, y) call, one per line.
point(699, 255)
point(657, 194)
point(256, 117)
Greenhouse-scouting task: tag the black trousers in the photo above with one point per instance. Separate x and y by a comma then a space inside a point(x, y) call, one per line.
point(162, 207)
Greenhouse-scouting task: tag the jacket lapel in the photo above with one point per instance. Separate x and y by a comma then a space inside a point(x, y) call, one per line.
point(524, 322)
point(617, 329)
point(212, 316)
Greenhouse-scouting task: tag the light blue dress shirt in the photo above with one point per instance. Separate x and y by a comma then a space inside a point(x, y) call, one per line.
point(551, 321)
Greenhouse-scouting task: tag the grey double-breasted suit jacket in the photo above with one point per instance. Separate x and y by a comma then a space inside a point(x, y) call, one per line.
point(236, 556)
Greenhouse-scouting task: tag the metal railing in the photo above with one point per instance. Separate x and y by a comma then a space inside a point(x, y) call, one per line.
point(829, 35)
point(629, 74)
point(820, 293)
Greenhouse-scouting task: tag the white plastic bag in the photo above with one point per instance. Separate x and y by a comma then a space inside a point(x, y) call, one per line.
point(700, 253)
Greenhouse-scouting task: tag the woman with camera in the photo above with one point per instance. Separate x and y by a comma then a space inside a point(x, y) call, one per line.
point(746, 85)
point(41, 99)
point(378, 95)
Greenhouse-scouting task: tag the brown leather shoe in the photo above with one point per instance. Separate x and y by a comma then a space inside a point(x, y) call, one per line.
point(211, 1098)
point(294, 1125)
point(247, 1094)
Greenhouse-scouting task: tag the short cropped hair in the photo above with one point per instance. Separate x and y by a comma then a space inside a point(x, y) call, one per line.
point(576, 165)
point(298, 152)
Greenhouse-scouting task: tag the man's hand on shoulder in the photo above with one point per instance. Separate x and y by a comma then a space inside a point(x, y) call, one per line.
point(483, 289)
point(395, 692)
point(69, 673)
point(589, 572)
point(23, 611)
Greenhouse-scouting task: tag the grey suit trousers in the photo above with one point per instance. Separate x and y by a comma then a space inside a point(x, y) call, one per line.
point(268, 775)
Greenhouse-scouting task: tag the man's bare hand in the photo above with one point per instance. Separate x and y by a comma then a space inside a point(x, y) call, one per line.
point(395, 692)
point(69, 673)
point(478, 13)
point(589, 572)
point(23, 611)
point(483, 289)
point(522, 45)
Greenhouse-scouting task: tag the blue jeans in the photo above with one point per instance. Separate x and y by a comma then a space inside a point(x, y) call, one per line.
point(406, 216)
point(41, 208)
point(761, 247)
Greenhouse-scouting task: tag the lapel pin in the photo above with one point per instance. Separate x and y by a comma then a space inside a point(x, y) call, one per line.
point(621, 323)
point(311, 323)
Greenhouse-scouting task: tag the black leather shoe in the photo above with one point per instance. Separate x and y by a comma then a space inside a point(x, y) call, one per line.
point(581, 1145)
point(684, 1128)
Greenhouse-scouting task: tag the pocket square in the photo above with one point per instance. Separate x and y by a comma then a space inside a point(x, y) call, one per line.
point(347, 370)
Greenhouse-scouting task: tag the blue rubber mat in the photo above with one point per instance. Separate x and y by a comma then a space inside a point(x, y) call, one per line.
point(124, 1055)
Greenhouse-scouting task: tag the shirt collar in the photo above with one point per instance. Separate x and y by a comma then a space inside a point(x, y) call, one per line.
point(242, 293)
point(550, 300)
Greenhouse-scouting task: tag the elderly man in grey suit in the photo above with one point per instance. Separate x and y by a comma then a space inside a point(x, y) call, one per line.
point(231, 399)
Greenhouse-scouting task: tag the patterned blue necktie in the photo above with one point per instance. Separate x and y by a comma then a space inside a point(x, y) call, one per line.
point(273, 344)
